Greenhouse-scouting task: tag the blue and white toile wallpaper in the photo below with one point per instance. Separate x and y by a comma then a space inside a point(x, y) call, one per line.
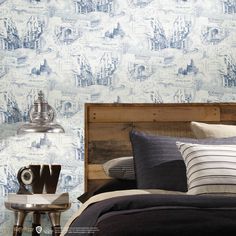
point(80, 51)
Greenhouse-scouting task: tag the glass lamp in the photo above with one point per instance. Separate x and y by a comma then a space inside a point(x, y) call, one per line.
point(41, 118)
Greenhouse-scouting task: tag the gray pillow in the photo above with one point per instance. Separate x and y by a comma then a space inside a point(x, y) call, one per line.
point(158, 162)
point(120, 168)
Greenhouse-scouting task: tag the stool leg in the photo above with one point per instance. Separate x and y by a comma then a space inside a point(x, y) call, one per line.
point(18, 227)
point(36, 224)
point(55, 221)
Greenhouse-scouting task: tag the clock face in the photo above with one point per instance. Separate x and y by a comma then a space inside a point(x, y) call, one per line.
point(26, 176)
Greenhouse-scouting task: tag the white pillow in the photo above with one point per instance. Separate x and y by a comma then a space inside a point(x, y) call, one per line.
point(120, 168)
point(211, 169)
point(203, 130)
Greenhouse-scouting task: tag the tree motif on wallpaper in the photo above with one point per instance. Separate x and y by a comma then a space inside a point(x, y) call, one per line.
point(158, 40)
point(10, 112)
point(183, 96)
point(3, 70)
point(229, 6)
point(229, 74)
point(2, 1)
point(156, 97)
point(11, 39)
point(103, 75)
point(179, 39)
point(8, 182)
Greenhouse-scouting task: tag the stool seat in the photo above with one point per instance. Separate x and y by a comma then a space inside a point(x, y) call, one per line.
point(53, 204)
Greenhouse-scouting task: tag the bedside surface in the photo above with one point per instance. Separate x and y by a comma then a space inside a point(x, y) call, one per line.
point(38, 198)
point(52, 204)
point(38, 202)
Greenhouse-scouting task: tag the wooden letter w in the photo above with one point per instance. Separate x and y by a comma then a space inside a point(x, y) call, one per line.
point(45, 176)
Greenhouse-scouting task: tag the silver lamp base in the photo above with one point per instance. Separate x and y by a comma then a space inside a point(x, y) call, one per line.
point(40, 128)
point(41, 117)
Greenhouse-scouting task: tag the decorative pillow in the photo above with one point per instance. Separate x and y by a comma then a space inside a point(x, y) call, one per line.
point(120, 168)
point(111, 185)
point(202, 130)
point(158, 162)
point(211, 169)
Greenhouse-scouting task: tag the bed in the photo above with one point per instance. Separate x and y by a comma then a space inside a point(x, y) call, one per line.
point(163, 208)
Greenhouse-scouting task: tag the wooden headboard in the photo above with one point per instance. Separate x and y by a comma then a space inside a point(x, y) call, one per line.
point(107, 128)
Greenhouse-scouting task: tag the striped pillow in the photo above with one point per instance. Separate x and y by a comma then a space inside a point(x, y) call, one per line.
point(211, 169)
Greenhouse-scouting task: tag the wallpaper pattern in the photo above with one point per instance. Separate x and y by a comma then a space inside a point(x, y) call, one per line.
point(80, 51)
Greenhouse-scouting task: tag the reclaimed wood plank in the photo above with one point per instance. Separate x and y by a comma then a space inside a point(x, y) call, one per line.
point(228, 113)
point(102, 151)
point(120, 131)
point(153, 114)
point(95, 171)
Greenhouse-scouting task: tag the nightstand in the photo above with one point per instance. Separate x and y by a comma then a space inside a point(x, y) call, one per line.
point(52, 204)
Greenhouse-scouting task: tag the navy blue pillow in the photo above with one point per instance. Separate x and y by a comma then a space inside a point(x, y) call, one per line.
point(158, 162)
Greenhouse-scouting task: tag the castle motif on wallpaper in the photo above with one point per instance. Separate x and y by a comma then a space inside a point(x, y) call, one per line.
point(179, 38)
point(190, 69)
point(43, 69)
point(43, 142)
point(115, 32)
